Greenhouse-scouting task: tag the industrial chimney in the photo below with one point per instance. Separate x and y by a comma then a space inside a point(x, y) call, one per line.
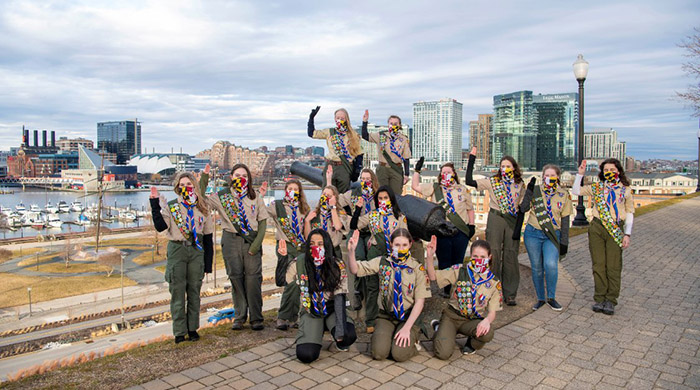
point(53, 139)
point(43, 138)
point(36, 137)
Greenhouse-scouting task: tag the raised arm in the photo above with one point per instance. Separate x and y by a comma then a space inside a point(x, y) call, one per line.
point(352, 245)
point(469, 179)
point(430, 258)
point(158, 221)
point(310, 126)
point(415, 181)
point(578, 180)
point(365, 132)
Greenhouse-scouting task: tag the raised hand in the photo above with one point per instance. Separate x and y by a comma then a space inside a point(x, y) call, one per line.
point(352, 242)
point(329, 175)
point(282, 248)
point(531, 184)
point(419, 164)
point(582, 168)
point(314, 112)
point(360, 202)
point(263, 189)
point(365, 117)
point(207, 169)
point(154, 193)
point(432, 247)
point(473, 152)
point(332, 201)
point(311, 215)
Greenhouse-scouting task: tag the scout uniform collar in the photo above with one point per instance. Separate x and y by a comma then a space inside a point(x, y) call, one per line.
point(314, 303)
point(290, 224)
point(393, 292)
point(603, 205)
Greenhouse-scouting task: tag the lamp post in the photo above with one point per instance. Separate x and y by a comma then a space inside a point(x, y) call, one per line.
point(580, 72)
point(29, 292)
point(698, 188)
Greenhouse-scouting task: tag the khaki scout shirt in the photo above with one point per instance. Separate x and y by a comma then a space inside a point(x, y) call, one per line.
point(272, 212)
point(336, 235)
point(561, 207)
point(342, 288)
point(394, 224)
point(255, 211)
point(517, 189)
point(326, 134)
point(400, 144)
point(461, 196)
point(491, 290)
point(414, 282)
point(173, 233)
point(624, 206)
point(347, 199)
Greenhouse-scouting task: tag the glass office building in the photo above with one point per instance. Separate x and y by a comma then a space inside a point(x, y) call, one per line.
point(556, 119)
point(122, 138)
point(437, 131)
point(514, 131)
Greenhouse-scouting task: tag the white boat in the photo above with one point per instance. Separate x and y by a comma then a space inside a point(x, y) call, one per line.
point(126, 215)
point(34, 219)
point(5, 210)
point(76, 206)
point(63, 207)
point(20, 208)
point(35, 208)
point(54, 221)
point(82, 220)
point(51, 209)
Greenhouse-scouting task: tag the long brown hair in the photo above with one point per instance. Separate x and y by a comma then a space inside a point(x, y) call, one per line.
point(201, 202)
point(623, 178)
point(375, 181)
point(303, 204)
point(251, 191)
point(355, 148)
point(517, 173)
point(336, 194)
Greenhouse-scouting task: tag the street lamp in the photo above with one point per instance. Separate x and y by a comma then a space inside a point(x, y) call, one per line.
point(29, 292)
point(698, 188)
point(580, 72)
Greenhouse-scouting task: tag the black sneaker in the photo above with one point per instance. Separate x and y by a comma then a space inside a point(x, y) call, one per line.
point(179, 339)
point(598, 307)
point(237, 325)
point(468, 349)
point(258, 325)
point(554, 304)
point(342, 348)
point(435, 324)
point(194, 336)
point(282, 324)
point(510, 301)
point(538, 305)
point(608, 308)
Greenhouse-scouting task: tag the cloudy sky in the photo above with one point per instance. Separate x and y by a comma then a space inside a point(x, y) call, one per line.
point(194, 72)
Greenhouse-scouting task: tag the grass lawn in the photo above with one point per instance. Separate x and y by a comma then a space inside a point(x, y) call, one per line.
point(75, 267)
point(43, 258)
point(13, 289)
point(146, 258)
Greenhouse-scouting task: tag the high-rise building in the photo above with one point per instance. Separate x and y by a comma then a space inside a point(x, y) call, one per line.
point(120, 137)
point(370, 149)
point(71, 144)
point(224, 155)
point(437, 130)
point(602, 143)
point(556, 121)
point(514, 132)
point(480, 136)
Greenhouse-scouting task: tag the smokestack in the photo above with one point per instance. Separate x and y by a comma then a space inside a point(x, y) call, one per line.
point(53, 139)
point(36, 137)
point(25, 137)
point(43, 138)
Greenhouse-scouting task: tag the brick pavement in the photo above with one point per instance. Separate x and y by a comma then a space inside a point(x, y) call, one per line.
point(652, 341)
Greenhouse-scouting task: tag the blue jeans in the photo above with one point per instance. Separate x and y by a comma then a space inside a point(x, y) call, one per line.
point(544, 260)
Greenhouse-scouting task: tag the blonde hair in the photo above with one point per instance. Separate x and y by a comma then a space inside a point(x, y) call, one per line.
point(355, 148)
point(201, 202)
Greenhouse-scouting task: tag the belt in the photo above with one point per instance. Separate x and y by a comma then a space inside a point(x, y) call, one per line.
point(183, 243)
point(336, 163)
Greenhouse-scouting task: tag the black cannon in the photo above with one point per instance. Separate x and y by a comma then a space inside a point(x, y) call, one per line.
point(424, 218)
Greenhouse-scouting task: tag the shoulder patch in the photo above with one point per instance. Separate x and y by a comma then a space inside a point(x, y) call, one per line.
point(456, 266)
point(498, 285)
point(420, 267)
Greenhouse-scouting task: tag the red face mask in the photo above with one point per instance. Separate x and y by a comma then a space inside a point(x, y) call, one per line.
point(318, 253)
point(239, 184)
point(480, 265)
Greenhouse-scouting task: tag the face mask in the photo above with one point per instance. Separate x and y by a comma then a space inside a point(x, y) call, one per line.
point(611, 176)
point(508, 173)
point(551, 182)
point(384, 206)
point(239, 184)
point(341, 124)
point(188, 195)
point(446, 179)
point(400, 255)
point(394, 129)
point(291, 196)
point(318, 253)
point(366, 186)
point(323, 201)
point(480, 265)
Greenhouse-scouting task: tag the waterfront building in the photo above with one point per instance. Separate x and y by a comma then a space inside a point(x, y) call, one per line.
point(514, 131)
point(603, 143)
point(437, 131)
point(556, 120)
point(66, 144)
point(120, 137)
point(224, 155)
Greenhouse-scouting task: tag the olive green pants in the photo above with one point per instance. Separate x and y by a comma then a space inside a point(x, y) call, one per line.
point(184, 273)
point(245, 273)
point(383, 343)
point(607, 262)
point(452, 323)
point(340, 178)
point(289, 303)
point(504, 251)
point(387, 176)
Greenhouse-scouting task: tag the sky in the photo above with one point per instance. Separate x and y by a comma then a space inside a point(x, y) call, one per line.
point(195, 72)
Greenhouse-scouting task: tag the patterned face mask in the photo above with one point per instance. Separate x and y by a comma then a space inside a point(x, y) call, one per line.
point(323, 201)
point(318, 253)
point(188, 195)
point(366, 186)
point(394, 130)
point(480, 265)
point(240, 184)
point(611, 176)
point(341, 125)
point(384, 206)
point(446, 179)
point(551, 182)
point(508, 173)
point(291, 196)
point(400, 255)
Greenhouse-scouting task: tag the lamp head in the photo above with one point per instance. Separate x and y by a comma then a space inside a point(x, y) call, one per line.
point(580, 68)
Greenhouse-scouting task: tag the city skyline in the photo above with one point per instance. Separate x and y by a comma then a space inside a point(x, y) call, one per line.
point(250, 73)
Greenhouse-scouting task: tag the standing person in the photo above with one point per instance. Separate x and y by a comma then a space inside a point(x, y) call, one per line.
point(243, 220)
point(381, 223)
point(288, 215)
point(610, 230)
point(507, 194)
point(456, 199)
point(404, 286)
point(322, 280)
point(344, 149)
point(547, 235)
point(394, 153)
point(329, 217)
point(188, 226)
point(475, 292)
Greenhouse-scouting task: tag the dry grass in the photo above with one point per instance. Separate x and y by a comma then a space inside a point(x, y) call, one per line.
point(6, 254)
point(73, 267)
point(44, 258)
point(148, 257)
point(160, 268)
point(13, 289)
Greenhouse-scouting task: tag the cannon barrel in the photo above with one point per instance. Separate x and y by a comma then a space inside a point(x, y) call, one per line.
point(424, 218)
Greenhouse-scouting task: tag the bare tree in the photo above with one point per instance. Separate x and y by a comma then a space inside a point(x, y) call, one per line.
point(111, 259)
point(692, 68)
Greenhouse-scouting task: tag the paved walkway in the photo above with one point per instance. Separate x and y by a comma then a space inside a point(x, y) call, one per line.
point(653, 340)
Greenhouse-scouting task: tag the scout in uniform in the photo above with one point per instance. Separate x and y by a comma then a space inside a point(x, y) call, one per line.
point(288, 215)
point(456, 199)
point(547, 235)
point(344, 149)
point(610, 229)
point(474, 300)
point(394, 153)
point(404, 286)
point(188, 226)
point(322, 280)
point(329, 217)
point(506, 193)
point(243, 220)
point(381, 222)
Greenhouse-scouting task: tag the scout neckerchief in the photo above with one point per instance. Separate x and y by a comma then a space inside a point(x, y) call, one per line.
point(606, 218)
point(185, 226)
point(502, 192)
point(465, 291)
point(448, 204)
point(192, 226)
point(397, 262)
point(232, 201)
point(391, 139)
point(541, 206)
point(290, 225)
point(306, 296)
point(338, 143)
point(367, 194)
point(318, 297)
